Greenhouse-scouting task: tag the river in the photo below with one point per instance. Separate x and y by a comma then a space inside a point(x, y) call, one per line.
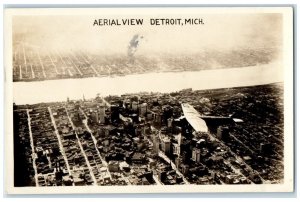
point(59, 90)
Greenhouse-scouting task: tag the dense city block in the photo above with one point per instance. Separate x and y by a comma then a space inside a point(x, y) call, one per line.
point(32, 63)
point(221, 136)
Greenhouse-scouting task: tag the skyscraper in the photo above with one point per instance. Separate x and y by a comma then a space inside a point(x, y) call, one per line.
point(134, 106)
point(170, 122)
point(166, 145)
point(115, 113)
point(155, 144)
point(143, 109)
point(196, 155)
point(101, 113)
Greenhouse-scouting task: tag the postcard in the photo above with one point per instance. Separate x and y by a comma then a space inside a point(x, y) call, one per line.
point(149, 100)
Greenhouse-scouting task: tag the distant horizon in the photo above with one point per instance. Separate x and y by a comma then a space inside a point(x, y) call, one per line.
point(219, 32)
point(47, 47)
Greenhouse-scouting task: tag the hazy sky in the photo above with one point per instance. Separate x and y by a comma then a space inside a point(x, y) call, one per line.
point(220, 31)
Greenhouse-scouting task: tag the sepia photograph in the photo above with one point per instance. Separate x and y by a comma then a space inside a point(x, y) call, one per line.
point(148, 100)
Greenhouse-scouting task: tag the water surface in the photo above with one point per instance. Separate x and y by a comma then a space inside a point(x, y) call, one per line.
point(59, 90)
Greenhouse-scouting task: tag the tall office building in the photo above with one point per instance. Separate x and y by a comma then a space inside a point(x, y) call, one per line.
point(196, 155)
point(178, 162)
point(95, 116)
point(166, 145)
point(176, 149)
point(101, 115)
point(170, 122)
point(143, 109)
point(158, 118)
point(134, 106)
point(155, 144)
point(115, 114)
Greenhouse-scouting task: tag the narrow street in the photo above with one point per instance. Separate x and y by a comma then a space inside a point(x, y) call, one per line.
point(93, 68)
point(20, 68)
point(33, 154)
point(95, 143)
point(82, 151)
point(236, 139)
point(24, 55)
point(43, 68)
point(64, 65)
point(32, 72)
point(74, 65)
point(62, 151)
point(167, 159)
point(157, 181)
point(236, 156)
point(162, 155)
point(106, 103)
point(54, 65)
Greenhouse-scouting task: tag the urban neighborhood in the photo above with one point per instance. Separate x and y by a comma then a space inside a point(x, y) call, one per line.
point(202, 137)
